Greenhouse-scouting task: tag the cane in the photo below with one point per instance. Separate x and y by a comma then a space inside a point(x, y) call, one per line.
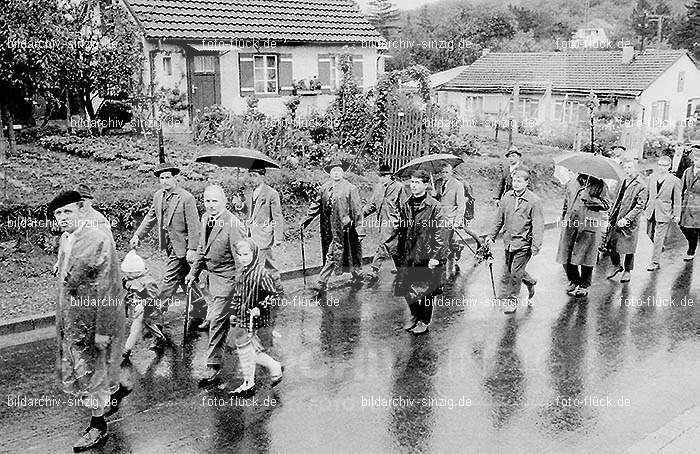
point(188, 302)
point(303, 256)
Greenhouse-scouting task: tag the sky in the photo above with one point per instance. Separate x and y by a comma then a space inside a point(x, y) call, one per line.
point(401, 4)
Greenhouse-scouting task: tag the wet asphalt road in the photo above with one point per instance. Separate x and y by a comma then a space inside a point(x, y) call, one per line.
point(562, 376)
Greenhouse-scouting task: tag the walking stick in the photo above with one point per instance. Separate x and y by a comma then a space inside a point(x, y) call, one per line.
point(188, 301)
point(303, 256)
point(493, 284)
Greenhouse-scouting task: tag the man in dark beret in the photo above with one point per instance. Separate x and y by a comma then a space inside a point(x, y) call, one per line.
point(89, 314)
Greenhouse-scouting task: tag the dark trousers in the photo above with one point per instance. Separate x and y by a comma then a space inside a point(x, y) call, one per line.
point(219, 325)
point(582, 278)
point(629, 260)
point(515, 272)
point(422, 309)
point(691, 234)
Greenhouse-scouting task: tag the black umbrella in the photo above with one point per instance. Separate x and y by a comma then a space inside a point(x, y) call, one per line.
point(431, 163)
point(243, 158)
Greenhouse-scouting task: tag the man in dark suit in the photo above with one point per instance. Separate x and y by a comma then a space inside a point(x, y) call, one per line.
point(663, 207)
point(681, 159)
point(174, 214)
point(215, 253)
point(339, 206)
point(623, 229)
point(263, 211)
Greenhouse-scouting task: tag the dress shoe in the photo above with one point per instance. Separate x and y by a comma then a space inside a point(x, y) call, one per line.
point(617, 270)
point(581, 292)
point(688, 257)
point(243, 391)
point(571, 289)
point(512, 306)
point(356, 280)
point(211, 377)
point(653, 267)
point(410, 323)
point(372, 277)
point(92, 438)
point(530, 293)
point(126, 359)
point(274, 381)
point(320, 288)
point(157, 344)
point(626, 276)
point(420, 328)
point(457, 270)
point(115, 399)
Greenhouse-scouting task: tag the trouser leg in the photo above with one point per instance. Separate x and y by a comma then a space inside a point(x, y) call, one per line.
point(218, 330)
point(691, 235)
point(615, 258)
point(329, 266)
point(586, 275)
point(517, 273)
point(629, 262)
point(660, 232)
point(176, 270)
point(572, 273)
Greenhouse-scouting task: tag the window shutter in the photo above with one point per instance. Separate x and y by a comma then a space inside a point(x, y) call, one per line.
point(286, 80)
point(324, 71)
point(357, 70)
point(245, 74)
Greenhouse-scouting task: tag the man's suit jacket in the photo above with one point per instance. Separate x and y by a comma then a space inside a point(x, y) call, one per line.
point(265, 221)
point(666, 203)
point(217, 253)
point(181, 221)
point(453, 202)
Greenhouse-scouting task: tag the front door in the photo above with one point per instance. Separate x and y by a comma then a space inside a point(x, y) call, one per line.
point(205, 84)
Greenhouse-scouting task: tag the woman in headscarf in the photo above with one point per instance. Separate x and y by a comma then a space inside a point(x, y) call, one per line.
point(585, 204)
point(254, 292)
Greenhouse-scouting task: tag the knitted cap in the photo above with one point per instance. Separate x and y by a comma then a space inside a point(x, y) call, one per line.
point(133, 263)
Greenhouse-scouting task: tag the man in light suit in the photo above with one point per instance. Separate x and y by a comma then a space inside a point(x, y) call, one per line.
point(174, 214)
point(453, 203)
point(264, 220)
point(663, 206)
point(215, 252)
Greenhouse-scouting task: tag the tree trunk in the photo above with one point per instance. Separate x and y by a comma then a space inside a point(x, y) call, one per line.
point(94, 127)
point(68, 125)
point(3, 153)
point(11, 131)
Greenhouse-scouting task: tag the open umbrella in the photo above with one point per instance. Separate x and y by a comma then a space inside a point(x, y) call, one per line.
point(243, 158)
point(592, 164)
point(432, 163)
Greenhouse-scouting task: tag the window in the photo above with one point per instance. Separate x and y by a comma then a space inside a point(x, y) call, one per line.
point(681, 81)
point(265, 73)
point(475, 105)
point(204, 64)
point(659, 113)
point(167, 66)
point(529, 107)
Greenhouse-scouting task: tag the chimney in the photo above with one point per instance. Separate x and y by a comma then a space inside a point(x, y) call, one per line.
point(627, 55)
point(485, 52)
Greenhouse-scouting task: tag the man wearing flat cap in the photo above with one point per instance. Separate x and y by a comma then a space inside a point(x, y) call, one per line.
point(174, 214)
point(89, 314)
point(384, 201)
point(339, 206)
point(515, 161)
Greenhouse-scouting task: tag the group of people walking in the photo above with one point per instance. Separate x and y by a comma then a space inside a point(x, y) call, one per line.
point(423, 226)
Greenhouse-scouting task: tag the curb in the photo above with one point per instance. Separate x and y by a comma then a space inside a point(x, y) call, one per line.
point(23, 324)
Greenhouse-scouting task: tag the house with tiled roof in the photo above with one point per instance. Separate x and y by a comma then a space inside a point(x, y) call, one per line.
point(661, 88)
point(219, 52)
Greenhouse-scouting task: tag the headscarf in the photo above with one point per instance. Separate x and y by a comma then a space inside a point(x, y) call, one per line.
point(252, 279)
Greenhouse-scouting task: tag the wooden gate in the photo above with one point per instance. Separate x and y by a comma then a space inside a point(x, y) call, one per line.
point(406, 136)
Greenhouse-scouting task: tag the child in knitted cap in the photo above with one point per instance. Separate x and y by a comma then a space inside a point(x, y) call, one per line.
point(142, 298)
